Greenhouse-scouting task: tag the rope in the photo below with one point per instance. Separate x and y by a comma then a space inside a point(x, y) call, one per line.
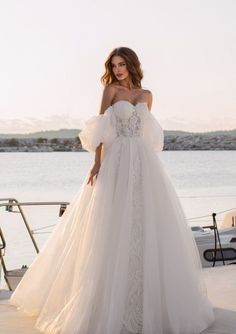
point(41, 228)
point(206, 196)
point(42, 232)
point(219, 212)
point(192, 218)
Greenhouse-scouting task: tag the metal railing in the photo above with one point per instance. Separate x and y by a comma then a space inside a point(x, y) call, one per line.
point(12, 202)
point(214, 227)
point(9, 204)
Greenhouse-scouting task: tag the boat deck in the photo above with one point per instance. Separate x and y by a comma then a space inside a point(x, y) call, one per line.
point(221, 289)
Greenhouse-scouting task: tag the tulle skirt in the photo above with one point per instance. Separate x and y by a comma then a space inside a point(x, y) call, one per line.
point(122, 259)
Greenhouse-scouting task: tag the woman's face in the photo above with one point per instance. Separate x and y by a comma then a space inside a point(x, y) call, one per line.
point(119, 68)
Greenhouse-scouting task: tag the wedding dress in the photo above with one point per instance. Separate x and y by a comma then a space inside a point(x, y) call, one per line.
point(122, 259)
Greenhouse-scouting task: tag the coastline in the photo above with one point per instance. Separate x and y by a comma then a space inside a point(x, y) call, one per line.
point(183, 142)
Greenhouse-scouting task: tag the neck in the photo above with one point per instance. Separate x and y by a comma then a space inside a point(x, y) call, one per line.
point(126, 83)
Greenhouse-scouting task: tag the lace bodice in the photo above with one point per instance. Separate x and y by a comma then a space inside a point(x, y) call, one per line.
point(128, 127)
point(129, 118)
point(122, 120)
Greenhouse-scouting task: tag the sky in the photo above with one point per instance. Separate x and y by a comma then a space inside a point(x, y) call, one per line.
point(52, 55)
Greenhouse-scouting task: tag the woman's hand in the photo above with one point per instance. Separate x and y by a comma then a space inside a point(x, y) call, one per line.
point(94, 172)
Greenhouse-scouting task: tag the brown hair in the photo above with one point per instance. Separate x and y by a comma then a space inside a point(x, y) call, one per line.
point(133, 66)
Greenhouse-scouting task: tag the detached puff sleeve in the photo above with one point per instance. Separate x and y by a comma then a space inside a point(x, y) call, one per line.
point(98, 129)
point(153, 133)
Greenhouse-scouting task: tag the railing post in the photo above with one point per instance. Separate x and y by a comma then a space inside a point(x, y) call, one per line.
point(217, 237)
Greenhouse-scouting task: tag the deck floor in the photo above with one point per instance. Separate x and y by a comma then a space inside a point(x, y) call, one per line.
point(221, 287)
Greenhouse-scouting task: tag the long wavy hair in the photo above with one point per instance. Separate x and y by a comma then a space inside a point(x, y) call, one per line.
point(133, 66)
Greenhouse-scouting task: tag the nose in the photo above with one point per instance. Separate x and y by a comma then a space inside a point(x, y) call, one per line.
point(118, 71)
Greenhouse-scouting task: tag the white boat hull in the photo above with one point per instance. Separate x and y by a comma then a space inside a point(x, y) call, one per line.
point(205, 240)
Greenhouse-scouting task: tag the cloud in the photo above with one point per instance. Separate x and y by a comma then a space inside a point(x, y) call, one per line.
point(56, 122)
point(30, 124)
point(194, 124)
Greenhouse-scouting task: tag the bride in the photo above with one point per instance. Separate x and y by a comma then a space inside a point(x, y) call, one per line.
point(122, 260)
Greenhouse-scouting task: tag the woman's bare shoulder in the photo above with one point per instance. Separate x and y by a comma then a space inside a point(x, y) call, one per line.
point(109, 92)
point(146, 91)
point(111, 87)
point(148, 97)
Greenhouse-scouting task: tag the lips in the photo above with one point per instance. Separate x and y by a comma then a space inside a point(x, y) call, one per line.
point(119, 75)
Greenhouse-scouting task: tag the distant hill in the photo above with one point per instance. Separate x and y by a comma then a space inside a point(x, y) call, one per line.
point(72, 133)
point(217, 133)
point(176, 133)
point(210, 133)
point(50, 134)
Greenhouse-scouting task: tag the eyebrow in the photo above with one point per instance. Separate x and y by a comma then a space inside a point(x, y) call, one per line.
point(118, 63)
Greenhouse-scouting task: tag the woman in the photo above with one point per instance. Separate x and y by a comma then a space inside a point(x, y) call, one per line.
point(123, 259)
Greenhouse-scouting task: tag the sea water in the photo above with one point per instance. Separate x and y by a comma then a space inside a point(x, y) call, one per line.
point(205, 182)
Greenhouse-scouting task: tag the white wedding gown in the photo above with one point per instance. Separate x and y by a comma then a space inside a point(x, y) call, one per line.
point(122, 259)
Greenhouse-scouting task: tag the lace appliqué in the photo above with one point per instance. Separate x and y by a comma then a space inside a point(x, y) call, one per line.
point(128, 127)
point(132, 321)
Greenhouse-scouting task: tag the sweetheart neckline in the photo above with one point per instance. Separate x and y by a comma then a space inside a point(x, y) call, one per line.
point(134, 105)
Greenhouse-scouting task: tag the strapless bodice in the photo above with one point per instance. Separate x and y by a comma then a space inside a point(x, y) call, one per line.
point(129, 118)
point(123, 121)
point(129, 103)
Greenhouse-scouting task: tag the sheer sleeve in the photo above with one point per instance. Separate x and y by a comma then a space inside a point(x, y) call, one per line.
point(153, 133)
point(98, 129)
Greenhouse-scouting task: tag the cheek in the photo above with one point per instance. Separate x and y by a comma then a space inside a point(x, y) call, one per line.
point(123, 69)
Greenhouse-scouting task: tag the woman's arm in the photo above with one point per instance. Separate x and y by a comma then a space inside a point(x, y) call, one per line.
point(107, 97)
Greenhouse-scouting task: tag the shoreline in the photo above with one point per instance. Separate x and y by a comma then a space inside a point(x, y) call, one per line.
point(188, 142)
